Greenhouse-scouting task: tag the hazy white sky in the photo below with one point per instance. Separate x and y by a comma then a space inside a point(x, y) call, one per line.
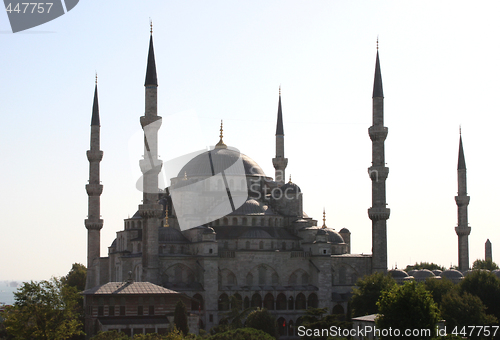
point(225, 60)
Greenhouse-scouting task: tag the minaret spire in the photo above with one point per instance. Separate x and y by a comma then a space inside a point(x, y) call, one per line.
point(378, 213)
point(462, 200)
point(94, 223)
point(150, 210)
point(280, 162)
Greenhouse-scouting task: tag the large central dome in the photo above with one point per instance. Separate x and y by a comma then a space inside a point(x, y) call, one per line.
point(220, 159)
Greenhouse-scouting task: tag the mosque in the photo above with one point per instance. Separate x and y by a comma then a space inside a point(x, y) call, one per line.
point(252, 241)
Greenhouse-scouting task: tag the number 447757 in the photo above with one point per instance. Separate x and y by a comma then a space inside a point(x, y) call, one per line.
point(39, 6)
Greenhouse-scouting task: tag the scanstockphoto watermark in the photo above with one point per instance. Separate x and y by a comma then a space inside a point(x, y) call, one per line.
point(25, 15)
point(368, 332)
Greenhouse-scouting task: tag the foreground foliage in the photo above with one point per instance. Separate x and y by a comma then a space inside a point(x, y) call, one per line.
point(409, 306)
point(368, 291)
point(44, 310)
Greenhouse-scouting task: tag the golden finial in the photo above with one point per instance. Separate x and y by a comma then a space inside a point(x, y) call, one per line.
point(460, 129)
point(324, 219)
point(221, 144)
point(280, 90)
point(290, 179)
point(150, 26)
point(377, 42)
point(166, 216)
point(185, 175)
point(96, 77)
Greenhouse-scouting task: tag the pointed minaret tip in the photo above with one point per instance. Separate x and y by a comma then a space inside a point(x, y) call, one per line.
point(461, 157)
point(95, 107)
point(151, 68)
point(377, 83)
point(279, 123)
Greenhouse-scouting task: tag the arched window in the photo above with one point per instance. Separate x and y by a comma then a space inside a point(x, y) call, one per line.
point(223, 302)
point(305, 279)
point(291, 329)
point(281, 302)
point(269, 301)
point(238, 301)
point(249, 279)
point(300, 302)
point(235, 221)
point(246, 303)
point(244, 221)
point(261, 245)
point(225, 221)
point(293, 280)
point(262, 275)
point(312, 300)
point(231, 279)
point(282, 326)
point(197, 303)
point(290, 303)
point(254, 221)
point(338, 309)
point(256, 300)
point(247, 244)
point(271, 224)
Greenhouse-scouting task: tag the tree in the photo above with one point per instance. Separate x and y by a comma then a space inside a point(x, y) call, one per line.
point(180, 317)
point(261, 319)
point(314, 319)
point(367, 292)
point(407, 307)
point(465, 310)
point(486, 286)
point(484, 264)
point(242, 334)
point(76, 277)
point(111, 335)
point(236, 316)
point(44, 310)
point(424, 265)
point(439, 288)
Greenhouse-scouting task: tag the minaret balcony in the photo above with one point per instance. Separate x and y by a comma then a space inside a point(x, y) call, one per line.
point(378, 133)
point(462, 200)
point(379, 214)
point(150, 210)
point(462, 231)
point(147, 121)
point(94, 189)
point(94, 155)
point(94, 225)
point(378, 173)
point(150, 166)
point(280, 163)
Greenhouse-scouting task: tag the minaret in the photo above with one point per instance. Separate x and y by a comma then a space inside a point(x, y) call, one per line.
point(280, 162)
point(378, 213)
point(94, 190)
point(487, 251)
point(462, 229)
point(150, 210)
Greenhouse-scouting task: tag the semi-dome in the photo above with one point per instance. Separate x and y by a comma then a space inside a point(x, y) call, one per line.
point(290, 187)
point(171, 235)
point(252, 207)
point(398, 274)
point(452, 274)
point(221, 160)
point(333, 236)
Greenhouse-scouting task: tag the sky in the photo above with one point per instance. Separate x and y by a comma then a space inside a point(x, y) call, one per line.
point(226, 60)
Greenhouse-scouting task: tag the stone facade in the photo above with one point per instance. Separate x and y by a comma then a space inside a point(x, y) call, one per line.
point(267, 252)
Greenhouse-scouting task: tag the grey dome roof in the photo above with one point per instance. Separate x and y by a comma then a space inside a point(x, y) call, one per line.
point(420, 274)
point(221, 160)
point(333, 236)
point(252, 207)
point(437, 272)
point(398, 273)
point(171, 235)
point(321, 232)
point(344, 231)
point(255, 233)
point(451, 274)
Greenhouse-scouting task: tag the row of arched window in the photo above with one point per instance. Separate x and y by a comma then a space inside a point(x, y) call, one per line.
point(254, 221)
point(281, 302)
point(296, 278)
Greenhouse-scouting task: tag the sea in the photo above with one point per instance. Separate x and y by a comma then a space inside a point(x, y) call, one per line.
point(7, 294)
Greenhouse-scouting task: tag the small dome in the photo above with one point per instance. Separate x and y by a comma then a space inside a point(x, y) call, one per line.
point(344, 231)
point(422, 274)
point(209, 230)
point(451, 274)
point(333, 236)
point(252, 207)
point(398, 273)
point(321, 232)
point(437, 272)
point(171, 235)
point(113, 245)
point(290, 187)
point(497, 272)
